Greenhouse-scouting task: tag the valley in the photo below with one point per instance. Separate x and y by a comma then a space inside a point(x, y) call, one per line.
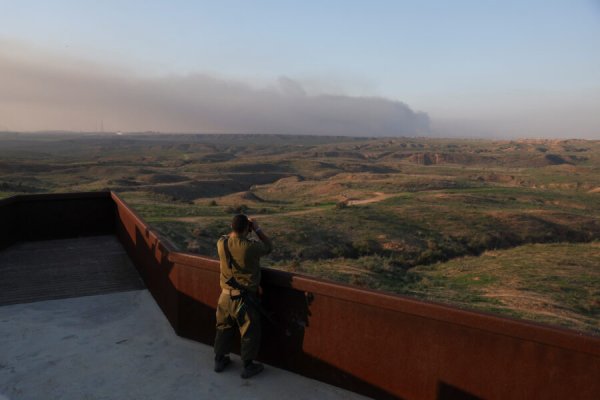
point(508, 227)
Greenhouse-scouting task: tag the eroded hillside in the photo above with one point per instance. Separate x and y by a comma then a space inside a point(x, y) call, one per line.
point(390, 214)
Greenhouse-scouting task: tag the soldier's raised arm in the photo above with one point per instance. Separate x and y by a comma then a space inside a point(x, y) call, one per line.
point(267, 246)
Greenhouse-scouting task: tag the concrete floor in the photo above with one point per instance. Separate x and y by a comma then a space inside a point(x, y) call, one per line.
point(120, 346)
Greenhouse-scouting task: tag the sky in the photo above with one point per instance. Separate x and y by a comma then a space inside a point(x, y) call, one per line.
point(420, 68)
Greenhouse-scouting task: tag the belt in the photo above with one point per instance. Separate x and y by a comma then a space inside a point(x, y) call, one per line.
point(232, 292)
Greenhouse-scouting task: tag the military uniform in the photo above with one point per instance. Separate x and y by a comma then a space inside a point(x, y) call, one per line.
point(231, 310)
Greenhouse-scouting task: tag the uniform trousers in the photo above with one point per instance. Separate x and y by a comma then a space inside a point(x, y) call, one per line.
point(232, 314)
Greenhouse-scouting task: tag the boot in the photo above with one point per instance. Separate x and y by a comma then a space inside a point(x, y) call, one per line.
point(251, 369)
point(221, 362)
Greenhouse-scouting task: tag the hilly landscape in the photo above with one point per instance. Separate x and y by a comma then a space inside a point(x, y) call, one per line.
point(508, 227)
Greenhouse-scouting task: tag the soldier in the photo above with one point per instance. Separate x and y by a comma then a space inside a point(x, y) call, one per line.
point(240, 259)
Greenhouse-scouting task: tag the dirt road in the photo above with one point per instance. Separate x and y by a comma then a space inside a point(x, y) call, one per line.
point(378, 196)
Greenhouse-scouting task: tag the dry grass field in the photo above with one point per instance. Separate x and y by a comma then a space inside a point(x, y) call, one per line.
point(509, 227)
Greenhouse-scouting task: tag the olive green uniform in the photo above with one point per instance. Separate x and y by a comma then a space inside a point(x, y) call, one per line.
point(231, 311)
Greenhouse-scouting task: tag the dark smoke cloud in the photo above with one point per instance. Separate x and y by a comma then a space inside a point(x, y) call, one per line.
point(38, 93)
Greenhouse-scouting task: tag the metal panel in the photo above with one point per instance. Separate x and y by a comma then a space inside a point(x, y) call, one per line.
point(150, 256)
point(54, 216)
point(391, 346)
point(8, 222)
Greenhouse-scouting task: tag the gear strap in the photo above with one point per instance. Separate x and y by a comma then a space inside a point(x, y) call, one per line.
point(230, 261)
point(240, 312)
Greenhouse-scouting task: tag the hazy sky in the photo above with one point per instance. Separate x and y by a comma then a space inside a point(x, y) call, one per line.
point(509, 68)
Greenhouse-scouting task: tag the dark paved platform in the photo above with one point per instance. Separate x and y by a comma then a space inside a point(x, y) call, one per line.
point(56, 269)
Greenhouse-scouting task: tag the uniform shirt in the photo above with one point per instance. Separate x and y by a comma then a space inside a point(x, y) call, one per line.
point(246, 255)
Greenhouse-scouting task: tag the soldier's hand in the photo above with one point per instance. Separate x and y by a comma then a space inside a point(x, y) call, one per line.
point(253, 224)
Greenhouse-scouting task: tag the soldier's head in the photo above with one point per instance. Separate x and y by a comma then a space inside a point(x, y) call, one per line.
point(240, 224)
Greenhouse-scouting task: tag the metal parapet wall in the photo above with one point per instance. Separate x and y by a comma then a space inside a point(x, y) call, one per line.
point(8, 222)
point(381, 345)
point(55, 216)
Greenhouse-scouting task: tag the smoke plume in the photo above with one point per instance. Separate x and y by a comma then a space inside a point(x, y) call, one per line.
point(42, 93)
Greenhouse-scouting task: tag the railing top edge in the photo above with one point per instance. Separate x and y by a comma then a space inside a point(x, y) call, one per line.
point(168, 246)
point(56, 196)
point(500, 325)
point(192, 259)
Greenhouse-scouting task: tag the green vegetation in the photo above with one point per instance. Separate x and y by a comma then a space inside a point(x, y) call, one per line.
point(553, 283)
point(510, 227)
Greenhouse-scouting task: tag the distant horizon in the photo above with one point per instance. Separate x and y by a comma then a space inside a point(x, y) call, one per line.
point(430, 137)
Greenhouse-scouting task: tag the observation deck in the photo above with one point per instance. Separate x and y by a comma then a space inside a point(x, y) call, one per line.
point(77, 322)
point(94, 304)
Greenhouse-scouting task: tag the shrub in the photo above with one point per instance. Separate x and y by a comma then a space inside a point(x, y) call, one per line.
point(366, 247)
point(340, 205)
point(358, 280)
point(241, 209)
point(294, 265)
